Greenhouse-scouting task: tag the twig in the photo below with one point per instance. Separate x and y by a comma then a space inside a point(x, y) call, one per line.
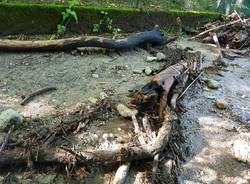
point(191, 84)
point(216, 40)
point(7, 138)
point(238, 16)
point(173, 101)
point(138, 131)
point(217, 28)
point(36, 93)
point(155, 166)
point(148, 128)
point(121, 174)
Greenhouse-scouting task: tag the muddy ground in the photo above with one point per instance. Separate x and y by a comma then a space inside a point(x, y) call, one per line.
point(84, 77)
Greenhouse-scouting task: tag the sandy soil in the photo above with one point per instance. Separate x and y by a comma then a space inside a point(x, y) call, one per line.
point(207, 131)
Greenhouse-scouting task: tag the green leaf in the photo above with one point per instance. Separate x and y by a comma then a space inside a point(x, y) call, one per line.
point(72, 13)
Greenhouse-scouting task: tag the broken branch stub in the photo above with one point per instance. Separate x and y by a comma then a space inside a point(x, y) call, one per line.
point(155, 94)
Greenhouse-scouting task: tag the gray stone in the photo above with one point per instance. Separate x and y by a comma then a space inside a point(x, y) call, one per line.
point(151, 58)
point(8, 117)
point(148, 70)
point(160, 56)
point(136, 71)
point(212, 84)
point(103, 95)
point(94, 75)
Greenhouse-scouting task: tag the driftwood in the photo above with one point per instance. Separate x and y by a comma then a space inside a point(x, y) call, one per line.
point(231, 35)
point(216, 40)
point(154, 37)
point(121, 174)
point(159, 90)
point(103, 157)
point(155, 94)
point(217, 28)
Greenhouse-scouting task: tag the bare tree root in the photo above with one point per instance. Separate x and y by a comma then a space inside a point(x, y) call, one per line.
point(155, 101)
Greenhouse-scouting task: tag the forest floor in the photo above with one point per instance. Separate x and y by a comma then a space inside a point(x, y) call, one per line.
point(86, 76)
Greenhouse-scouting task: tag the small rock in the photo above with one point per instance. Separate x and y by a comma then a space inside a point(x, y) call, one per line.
point(136, 71)
point(93, 100)
point(212, 84)
point(221, 104)
point(109, 136)
point(94, 75)
point(103, 95)
point(241, 147)
point(105, 136)
point(151, 58)
point(148, 70)
point(211, 97)
point(8, 117)
point(124, 111)
point(73, 52)
point(160, 56)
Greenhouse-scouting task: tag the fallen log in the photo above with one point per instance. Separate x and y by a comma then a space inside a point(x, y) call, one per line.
point(102, 157)
point(154, 37)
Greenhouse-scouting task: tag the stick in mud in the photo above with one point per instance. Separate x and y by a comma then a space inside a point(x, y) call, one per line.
point(36, 93)
point(7, 138)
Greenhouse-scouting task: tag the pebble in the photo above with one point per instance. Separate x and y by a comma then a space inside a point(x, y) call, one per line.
point(105, 136)
point(160, 56)
point(221, 104)
point(151, 59)
point(136, 71)
point(148, 70)
point(124, 111)
point(109, 136)
point(103, 95)
point(8, 117)
point(93, 100)
point(94, 75)
point(212, 84)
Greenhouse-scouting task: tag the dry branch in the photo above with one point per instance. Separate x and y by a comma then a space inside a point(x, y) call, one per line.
point(36, 93)
point(216, 40)
point(7, 138)
point(217, 28)
point(103, 157)
point(121, 174)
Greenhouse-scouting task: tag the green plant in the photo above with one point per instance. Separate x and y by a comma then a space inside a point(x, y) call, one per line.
point(105, 23)
point(66, 16)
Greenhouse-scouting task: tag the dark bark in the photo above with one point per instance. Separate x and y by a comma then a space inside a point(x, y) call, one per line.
point(154, 37)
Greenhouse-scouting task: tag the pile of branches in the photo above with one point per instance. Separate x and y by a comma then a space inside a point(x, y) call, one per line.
point(232, 34)
point(163, 92)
